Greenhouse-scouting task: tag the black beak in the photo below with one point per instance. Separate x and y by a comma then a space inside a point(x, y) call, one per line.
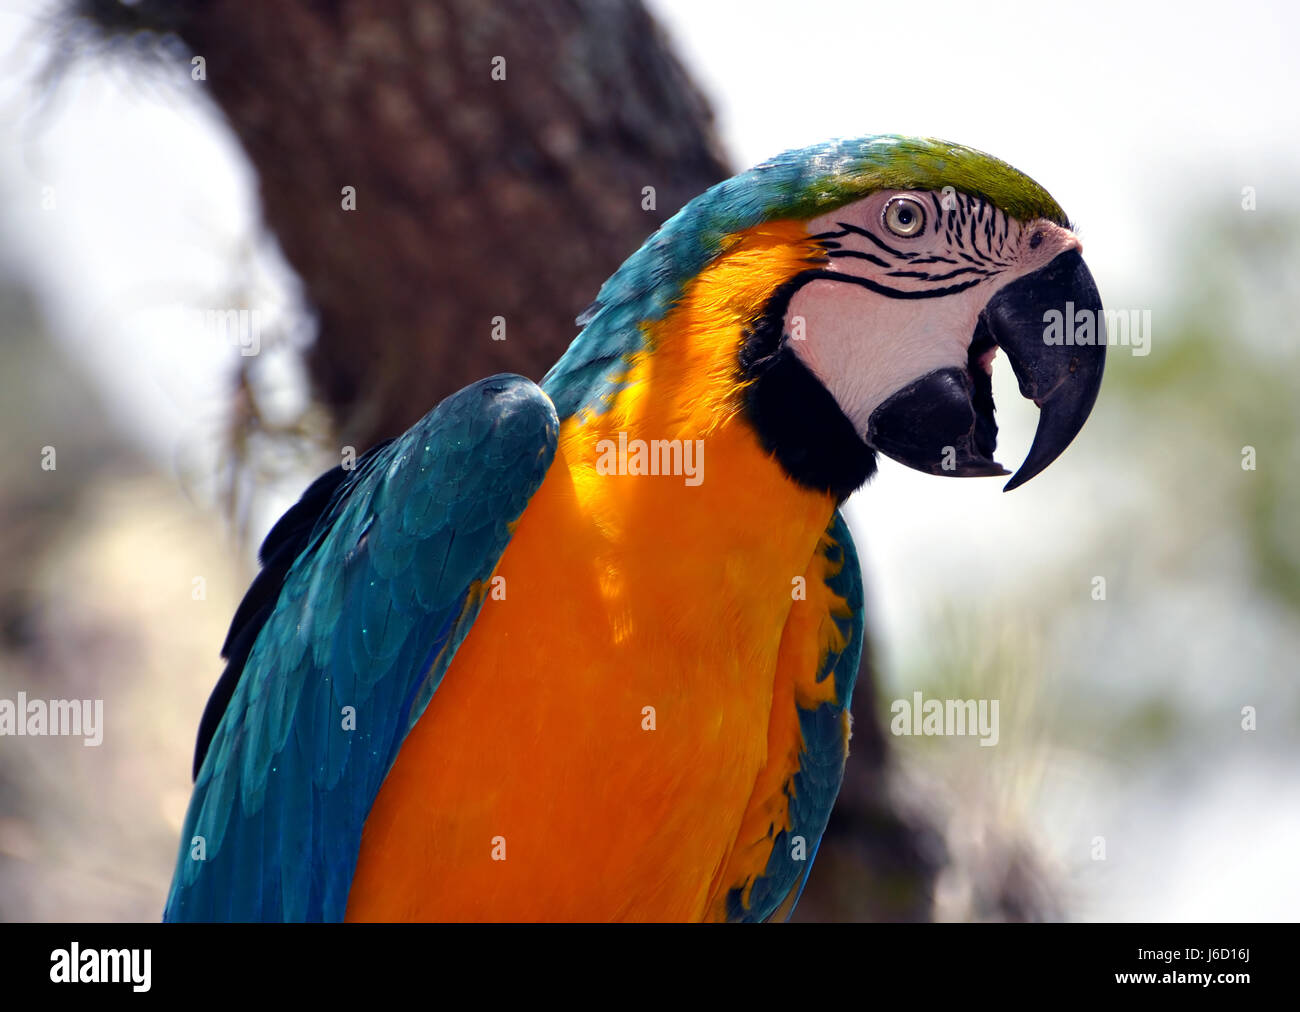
point(1062, 379)
point(943, 422)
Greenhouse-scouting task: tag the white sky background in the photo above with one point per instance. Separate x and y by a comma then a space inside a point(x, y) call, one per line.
point(1126, 112)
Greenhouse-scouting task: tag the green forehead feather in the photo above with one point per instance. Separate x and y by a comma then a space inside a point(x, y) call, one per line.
point(828, 176)
point(798, 184)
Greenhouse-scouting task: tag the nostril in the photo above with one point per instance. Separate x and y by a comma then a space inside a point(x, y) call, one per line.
point(1036, 240)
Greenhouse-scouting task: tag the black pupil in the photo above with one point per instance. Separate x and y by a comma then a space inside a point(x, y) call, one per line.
point(905, 216)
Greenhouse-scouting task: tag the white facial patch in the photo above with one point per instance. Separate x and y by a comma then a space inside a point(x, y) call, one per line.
point(919, 297)
point(863, 346)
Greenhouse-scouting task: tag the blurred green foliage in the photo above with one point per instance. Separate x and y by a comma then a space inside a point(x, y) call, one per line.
point(1225, 375)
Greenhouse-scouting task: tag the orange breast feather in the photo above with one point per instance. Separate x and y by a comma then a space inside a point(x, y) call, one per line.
point(610, 740)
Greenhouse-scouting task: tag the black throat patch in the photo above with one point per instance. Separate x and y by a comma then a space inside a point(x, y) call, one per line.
point(797, 419)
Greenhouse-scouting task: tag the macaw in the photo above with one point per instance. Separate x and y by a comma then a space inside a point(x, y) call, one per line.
point(584, 650)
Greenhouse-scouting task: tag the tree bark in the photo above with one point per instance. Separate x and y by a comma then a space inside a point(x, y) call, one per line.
point(498, 154)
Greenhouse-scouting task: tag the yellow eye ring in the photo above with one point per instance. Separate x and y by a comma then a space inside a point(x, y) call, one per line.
point(904, 217)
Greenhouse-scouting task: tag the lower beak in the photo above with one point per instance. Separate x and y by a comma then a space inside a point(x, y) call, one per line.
point(942, 423)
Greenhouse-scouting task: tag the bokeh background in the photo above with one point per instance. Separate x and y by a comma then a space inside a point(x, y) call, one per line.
point(136, 199)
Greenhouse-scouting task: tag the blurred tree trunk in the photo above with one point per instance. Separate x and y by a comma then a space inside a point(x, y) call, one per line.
point(480, 195)
point(497, 152)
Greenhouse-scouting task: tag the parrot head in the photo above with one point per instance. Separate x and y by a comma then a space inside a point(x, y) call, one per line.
point(920, 259)
point(949, 256)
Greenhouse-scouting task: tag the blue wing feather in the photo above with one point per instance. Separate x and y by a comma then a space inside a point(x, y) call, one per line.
point(369, 616)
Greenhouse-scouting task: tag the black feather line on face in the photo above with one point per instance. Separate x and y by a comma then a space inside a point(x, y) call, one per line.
point(879, 289)
point(858, 255)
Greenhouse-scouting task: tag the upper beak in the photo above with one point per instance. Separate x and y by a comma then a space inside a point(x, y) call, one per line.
point(942, 423)
point(1062, 379)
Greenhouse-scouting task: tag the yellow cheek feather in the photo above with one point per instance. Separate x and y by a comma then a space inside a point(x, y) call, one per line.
point(685, 379)
point(612, 737)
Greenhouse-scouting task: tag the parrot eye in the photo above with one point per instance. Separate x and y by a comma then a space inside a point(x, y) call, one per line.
point(904, 217)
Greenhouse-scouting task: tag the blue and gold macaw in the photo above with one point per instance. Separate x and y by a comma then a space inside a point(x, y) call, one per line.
point(585, 650)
